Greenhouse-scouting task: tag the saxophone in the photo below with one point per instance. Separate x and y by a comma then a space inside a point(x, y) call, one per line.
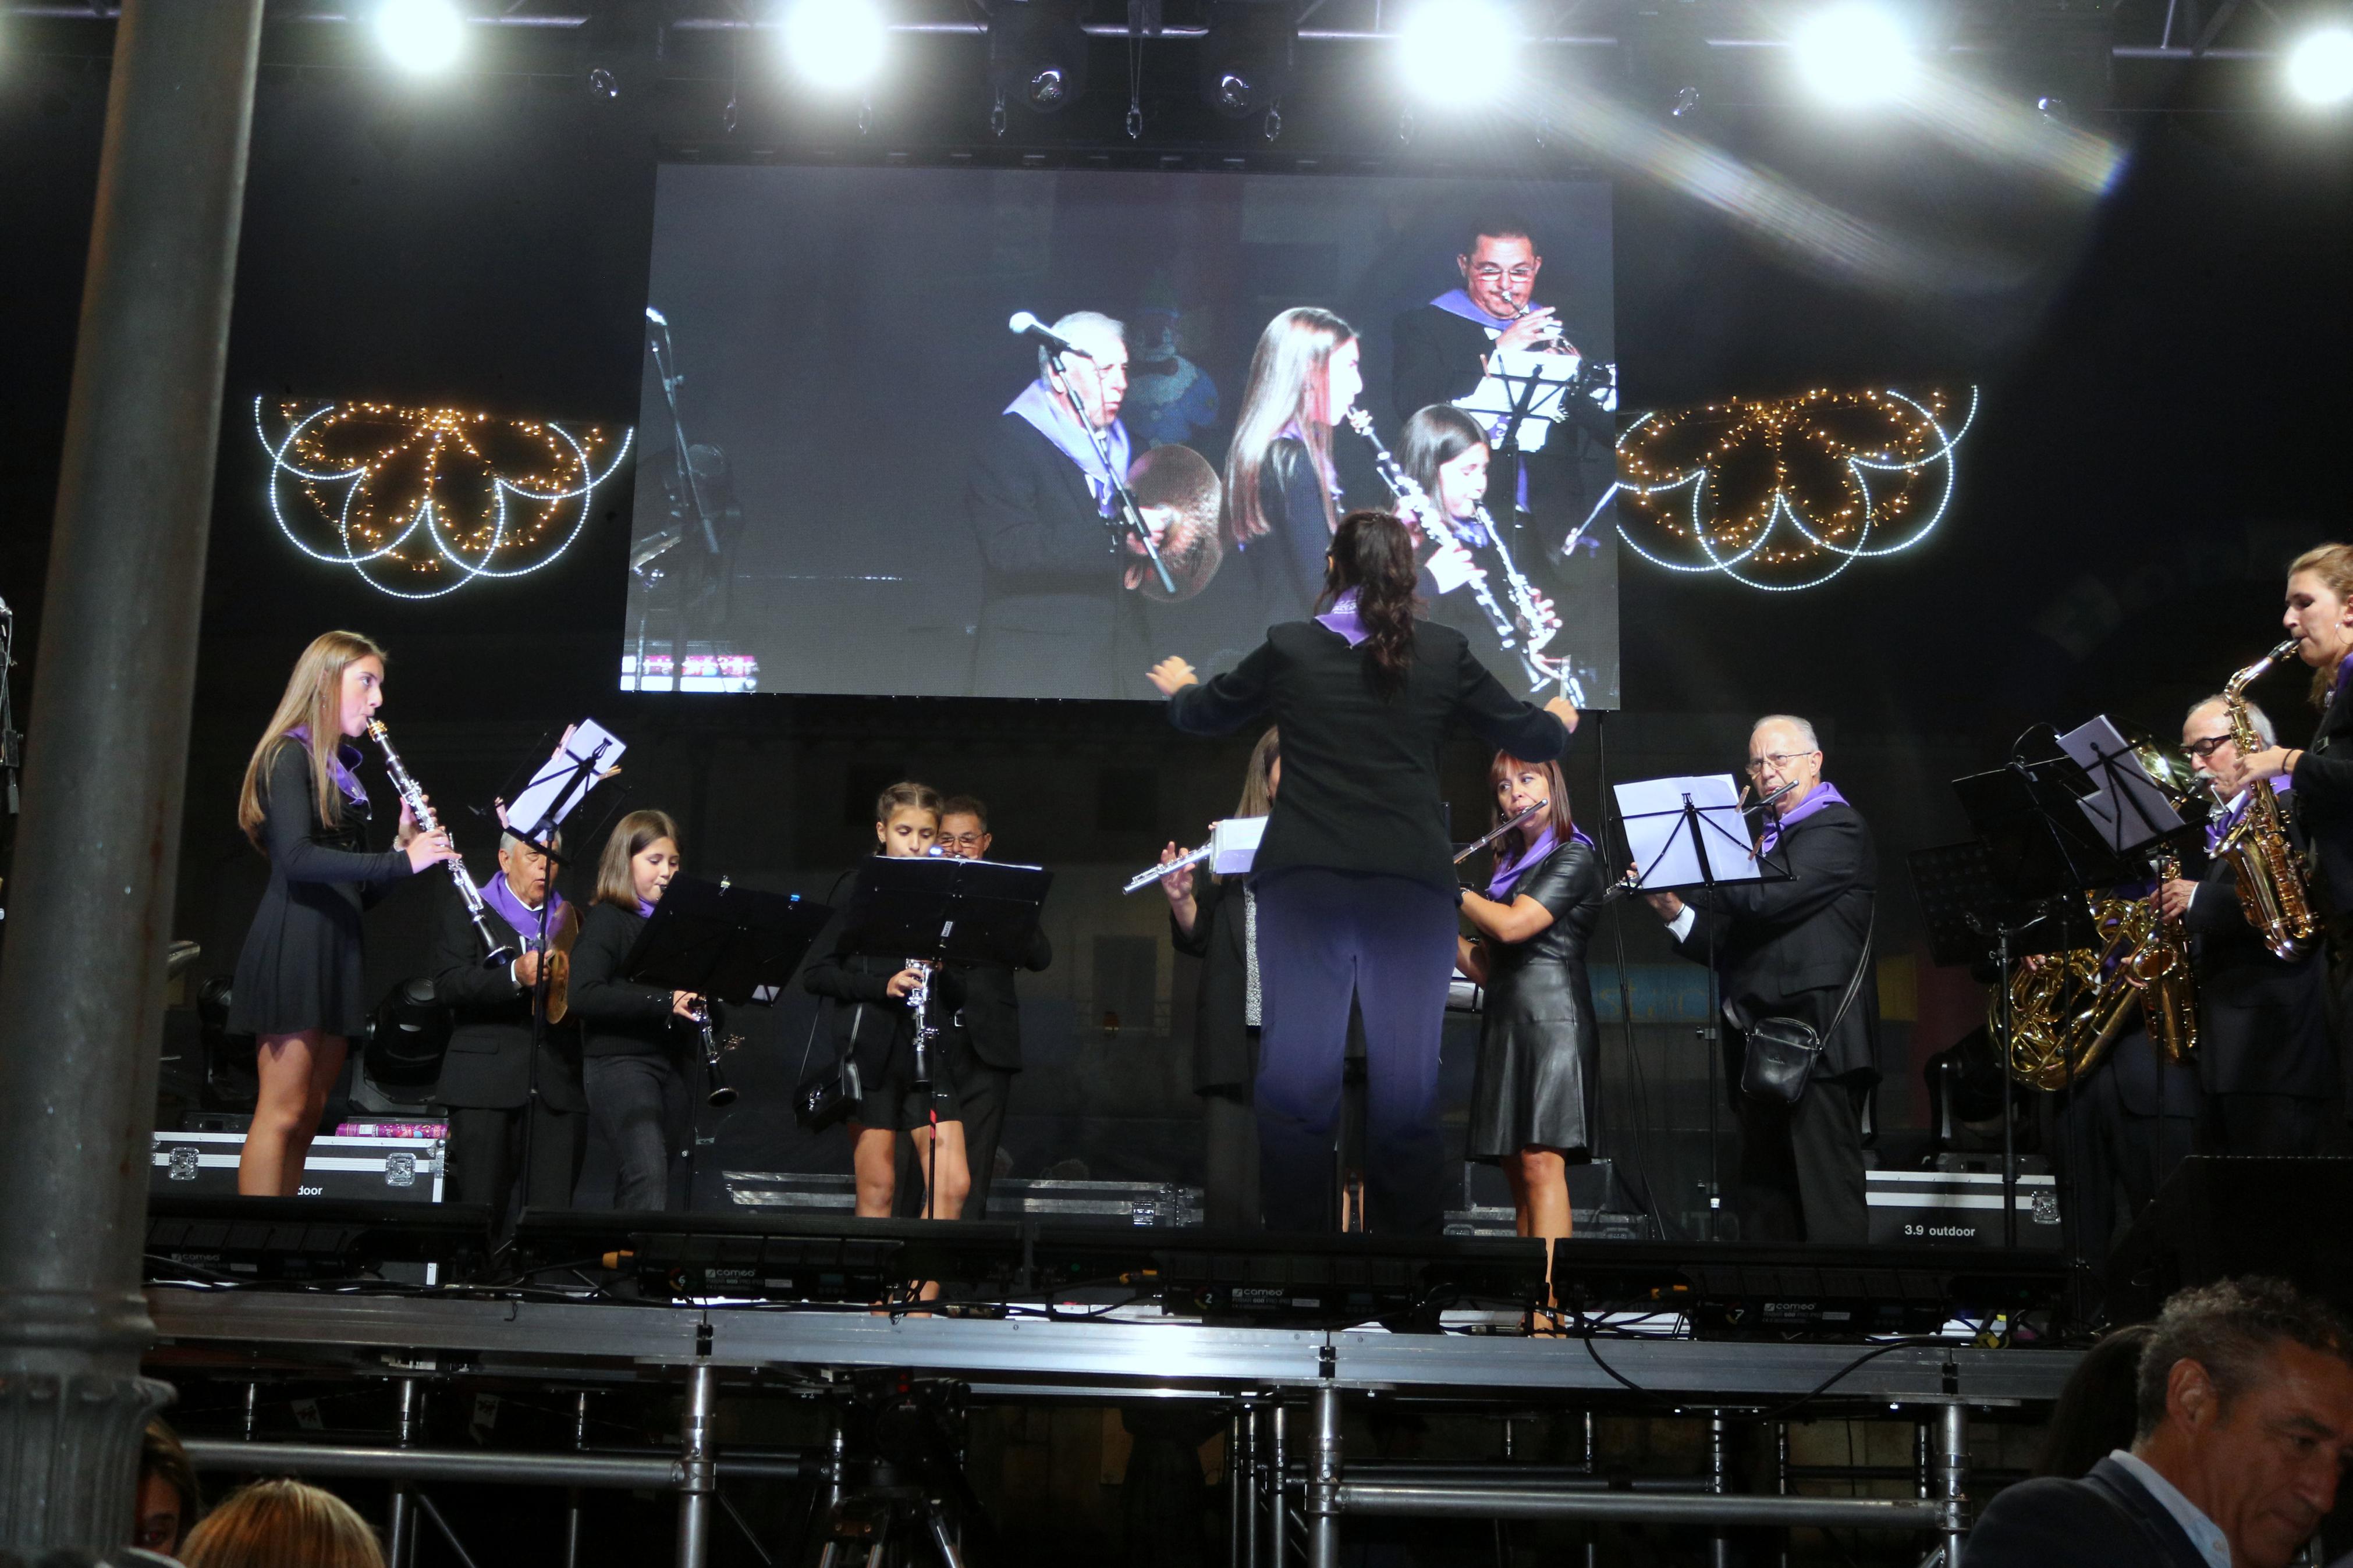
point(2270, 873)
point(2068, 1009)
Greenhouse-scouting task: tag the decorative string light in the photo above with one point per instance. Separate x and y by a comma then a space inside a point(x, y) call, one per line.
point(421, 502)
point(1786, 494)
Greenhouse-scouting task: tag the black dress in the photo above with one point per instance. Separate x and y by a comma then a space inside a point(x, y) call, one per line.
point(1538, 1048)
point(300, 968)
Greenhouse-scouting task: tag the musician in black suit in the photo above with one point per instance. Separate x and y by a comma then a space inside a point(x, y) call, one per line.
point(486, 1075)
point(2265, 1055)
point(2245, 1399)
point(1057, 614)
point(1788, 949)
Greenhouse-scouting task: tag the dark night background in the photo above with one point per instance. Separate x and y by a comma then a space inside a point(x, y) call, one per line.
point(2162, 430)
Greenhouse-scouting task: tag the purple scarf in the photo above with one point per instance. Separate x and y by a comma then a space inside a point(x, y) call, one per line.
point(339, 766)
point(1342, 618)
point(2337, 682)
point(2219, 826)
point(1037, 406)
point(644, 910)
point(1509, 872)
point(518, 914)
point(1458, 303)
point(1825, 793)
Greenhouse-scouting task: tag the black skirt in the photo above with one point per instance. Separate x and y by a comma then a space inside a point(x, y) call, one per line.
point(1535, 1085)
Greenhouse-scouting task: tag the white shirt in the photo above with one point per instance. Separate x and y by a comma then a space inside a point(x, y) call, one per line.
point(2204, 1534)
point(1680, 928)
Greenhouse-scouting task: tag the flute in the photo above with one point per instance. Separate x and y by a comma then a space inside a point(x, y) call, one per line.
point(1498, 832)
point(501, 954)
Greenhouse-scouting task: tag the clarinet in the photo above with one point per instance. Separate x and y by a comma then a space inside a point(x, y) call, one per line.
point(721, 1093)
point(919, 1003)
point(501, 954)
point(1541, 628)
point(1411, 499)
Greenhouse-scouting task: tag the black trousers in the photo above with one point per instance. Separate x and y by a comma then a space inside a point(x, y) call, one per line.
point(1230, 1150)
point(639, 1104)
point(2266, 1124)
point(1799, 1176)
point(982, 1092)
point(2115, 1158)
point(486, 1154)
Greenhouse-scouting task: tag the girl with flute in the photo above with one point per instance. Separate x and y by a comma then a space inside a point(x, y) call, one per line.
point(297, 985)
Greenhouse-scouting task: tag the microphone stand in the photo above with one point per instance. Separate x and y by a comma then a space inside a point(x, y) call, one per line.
point(1131, 516)
point(541, 838)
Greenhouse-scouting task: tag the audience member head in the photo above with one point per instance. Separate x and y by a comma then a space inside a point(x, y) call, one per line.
point(168, 1501)
point(906, 820)
point(2245, 1398)
point(2099, 1410)
point(282, 1525)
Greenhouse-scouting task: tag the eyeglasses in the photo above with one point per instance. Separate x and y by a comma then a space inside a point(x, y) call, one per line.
point(2200, 750)
point(1779, 761)
point(962, 840)
point(1488, 272)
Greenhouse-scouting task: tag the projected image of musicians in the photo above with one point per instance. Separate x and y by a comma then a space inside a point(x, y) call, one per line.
point(1469, 581)
point(1056, 612)
point(1283, 492)
point(1442, 353)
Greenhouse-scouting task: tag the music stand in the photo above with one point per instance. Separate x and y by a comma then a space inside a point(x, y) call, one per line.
point(715, 938)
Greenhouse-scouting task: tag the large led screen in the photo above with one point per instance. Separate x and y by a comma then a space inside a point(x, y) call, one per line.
point(856, 477)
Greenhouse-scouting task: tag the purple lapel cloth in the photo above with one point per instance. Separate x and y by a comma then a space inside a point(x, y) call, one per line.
point(1037, 406)
point(518, 914)
point(1457, 302)
point(2218, 827)
point(1509, 872)
point(644, 910)
point(2337, 682)
point(1825, 793)
point(1342, 618)
point(339, 766)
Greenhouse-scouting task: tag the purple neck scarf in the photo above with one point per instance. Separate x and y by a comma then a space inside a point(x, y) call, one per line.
point(2337, 682)
point(518, 914)
point(1509, 872)
point(339, 766)
point(1825, 793)
point(644, 910)
point(1037, 406)
point(1342, 618)
point(1457, 302)
point(2219, 826)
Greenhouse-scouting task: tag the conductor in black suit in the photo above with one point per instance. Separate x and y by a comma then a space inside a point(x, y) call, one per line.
point(486, 1074)
point(2246, 1406)
point(1058, 616)
point(1788, 949)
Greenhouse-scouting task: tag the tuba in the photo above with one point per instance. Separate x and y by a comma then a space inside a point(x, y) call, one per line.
point(2270, 873)
point(2066, 1011)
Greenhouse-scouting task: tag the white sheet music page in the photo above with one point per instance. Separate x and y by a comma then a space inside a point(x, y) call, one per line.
point(591, 742)
point(1659, 831)
point(1234, 844)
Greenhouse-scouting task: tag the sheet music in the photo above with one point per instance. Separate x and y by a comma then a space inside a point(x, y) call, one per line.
point(2142, 815)
point(1234, 844)
point(537, 804)
point(1658, 831)
point(1509, 374)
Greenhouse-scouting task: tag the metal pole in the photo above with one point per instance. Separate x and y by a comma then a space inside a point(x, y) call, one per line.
point(1638, 1508)
point(81, 991)
point(1277, 1525)
point(1238, 1536)
point(698, 1475)
point(1953, 1479)
point(1719, 1544)
point(400, 1531)
point(1781, 1477)
point(1324, 1483)
point(571, 1498)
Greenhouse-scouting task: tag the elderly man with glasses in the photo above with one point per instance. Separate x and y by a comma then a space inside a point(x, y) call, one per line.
point(1789, 948)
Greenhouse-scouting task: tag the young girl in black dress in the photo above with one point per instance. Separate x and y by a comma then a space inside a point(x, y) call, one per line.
point(298, 984)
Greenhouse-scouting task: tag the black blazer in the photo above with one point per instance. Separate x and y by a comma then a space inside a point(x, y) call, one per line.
point(1788, 949)
point(1437, 359)
point(617, 1017)
point(1225, 1052)
point(2107, 1520)
point(991, 1009)
point(2263, 1024)
point(489, 1062)
point(1285, 565)
point(1360, 789)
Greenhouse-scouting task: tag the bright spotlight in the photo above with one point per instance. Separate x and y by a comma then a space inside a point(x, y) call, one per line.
point(1458, 53)
point(835, 44)
point(421, 35)
point(2320, 67)
point(1854, 53)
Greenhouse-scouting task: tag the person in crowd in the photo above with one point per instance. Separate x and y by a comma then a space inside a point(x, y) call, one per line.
point(487, 1074)
point(1055, 573)
point(874, 1026)
point(2264, 1060)
point(2245, 1399)
point(1355, 887)
point(634, 1038)
point(982, 1042)
point(2098, 1410)
point(1445, 452)
point(1282, 490)
point(1791, 947)
point(282, 1525)
point(1534, 1092)
point(1214, 919)
point(166, 1505)
point(298, 984)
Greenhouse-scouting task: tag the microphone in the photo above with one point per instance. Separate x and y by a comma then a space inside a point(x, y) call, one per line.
point(1025, 325)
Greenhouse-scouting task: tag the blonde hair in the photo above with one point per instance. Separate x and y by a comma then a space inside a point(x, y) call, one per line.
point(1287, 383)
point(314, 697)
point(2333, 565)
point(614, 884)
point(909, 796)
point(282, 1525)
point(1258, 786)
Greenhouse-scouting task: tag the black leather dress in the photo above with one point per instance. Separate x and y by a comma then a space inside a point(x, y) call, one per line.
point(1539, 1052)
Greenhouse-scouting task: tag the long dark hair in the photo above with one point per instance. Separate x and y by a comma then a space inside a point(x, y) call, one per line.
point(1373, 553)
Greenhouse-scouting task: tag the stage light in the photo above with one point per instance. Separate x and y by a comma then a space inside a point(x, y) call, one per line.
point(1458, 53)
point(2320, 67)
point(421, 36)
point(1686, 101)
point(1036, 53)
point(835, 45)
point(1855, 53)
point(1246, 56)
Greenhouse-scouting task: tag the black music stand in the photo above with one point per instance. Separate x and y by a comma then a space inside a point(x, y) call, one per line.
point(721, 941)
point(1700, 827)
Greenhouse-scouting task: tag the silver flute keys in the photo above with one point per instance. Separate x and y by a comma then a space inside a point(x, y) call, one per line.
point(413, 796)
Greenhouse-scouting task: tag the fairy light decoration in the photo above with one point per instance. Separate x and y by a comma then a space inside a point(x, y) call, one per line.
point(1784, 494)
point(421, 502)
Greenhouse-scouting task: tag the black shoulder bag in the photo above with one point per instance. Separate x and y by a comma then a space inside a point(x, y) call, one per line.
point(833, 1094)
point(1781, 1052)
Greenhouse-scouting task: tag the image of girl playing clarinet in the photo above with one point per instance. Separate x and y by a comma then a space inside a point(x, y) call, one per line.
point(1445, 452)
point(1532, 1092)
point(1282, 489)
point(298, 987)
point(874, 1026)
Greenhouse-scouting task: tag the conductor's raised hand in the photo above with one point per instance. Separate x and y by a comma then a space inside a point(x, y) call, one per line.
point(1171, 676)
point(1562, 709)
